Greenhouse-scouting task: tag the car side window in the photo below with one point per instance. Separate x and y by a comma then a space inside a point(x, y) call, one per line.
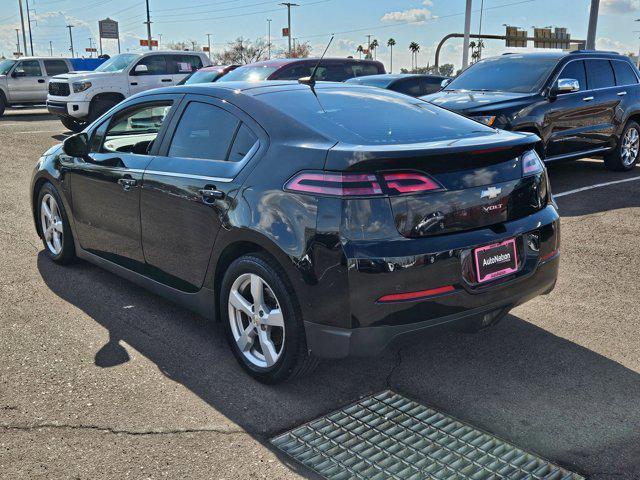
point(575, 70)
point(134, 130)
point(184, 63)
point(624, 73)
point(408, 86)
point(204, 131)
point(29, 68)
point(55, 67)
point(362, 69)
point(156, 65)
point(297, 71)
point(600, 74)
point(243, 143)
point(431, 85)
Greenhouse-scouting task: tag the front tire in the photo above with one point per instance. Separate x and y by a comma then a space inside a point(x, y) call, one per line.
point(262, 320)
point(54, 226)
point(625, 155)
point(73, 124)
point(2, 105)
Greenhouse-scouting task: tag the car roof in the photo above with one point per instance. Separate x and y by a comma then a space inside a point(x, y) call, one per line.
point(560, 54)
point(214, 68)
point(281, 62)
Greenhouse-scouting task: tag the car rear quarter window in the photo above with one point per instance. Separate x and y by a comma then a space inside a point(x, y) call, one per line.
point(243, 143)
point(431, 85)
point(55, 67)
point(408, 86)
point(372, 116)
point(575, 70)
point(624, 73)
point(600, 74)
point(204, 131)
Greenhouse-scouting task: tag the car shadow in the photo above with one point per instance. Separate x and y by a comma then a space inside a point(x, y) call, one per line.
point(18, 115)
point(516, 380)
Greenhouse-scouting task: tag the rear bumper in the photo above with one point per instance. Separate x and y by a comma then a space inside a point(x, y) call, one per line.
point(376, 269)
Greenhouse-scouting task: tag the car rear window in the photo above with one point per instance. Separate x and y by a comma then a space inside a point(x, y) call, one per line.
point(372, 116)
point(248, 74)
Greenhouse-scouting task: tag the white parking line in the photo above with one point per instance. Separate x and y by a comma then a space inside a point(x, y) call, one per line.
point(597, 185)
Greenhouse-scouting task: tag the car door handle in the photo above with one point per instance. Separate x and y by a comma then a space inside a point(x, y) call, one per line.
point(166, 80)
point(587, 99)
point(622, 94)
point(41, 80)
point(210, 194)
point(127, 183)
point(134, 83)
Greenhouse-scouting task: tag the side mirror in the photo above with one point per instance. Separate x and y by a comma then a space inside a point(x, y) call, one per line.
point(76, 145)
point(18, 72)
point(140, 69)
point(445, 82)
point(566, 85)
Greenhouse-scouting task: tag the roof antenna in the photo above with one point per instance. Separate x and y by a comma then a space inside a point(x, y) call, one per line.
point(311, 80)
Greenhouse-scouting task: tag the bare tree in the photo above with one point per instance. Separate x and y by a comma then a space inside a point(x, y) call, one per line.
point(301, 50)
point(190, 45)
point(242, 51)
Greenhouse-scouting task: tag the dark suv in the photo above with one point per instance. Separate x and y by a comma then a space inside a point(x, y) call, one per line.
point(581, 104)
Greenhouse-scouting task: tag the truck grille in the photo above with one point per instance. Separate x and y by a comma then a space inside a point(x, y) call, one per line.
point(59, 89)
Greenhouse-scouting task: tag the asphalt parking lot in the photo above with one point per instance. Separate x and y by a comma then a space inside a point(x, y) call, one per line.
point(101, 379)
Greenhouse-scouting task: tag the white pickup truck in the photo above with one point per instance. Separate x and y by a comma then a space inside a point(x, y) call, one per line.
point(24, 81)
point(80, 98)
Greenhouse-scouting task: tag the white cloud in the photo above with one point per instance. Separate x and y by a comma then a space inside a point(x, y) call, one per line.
point(615, 45)
point(619, 7)
point(410, 15)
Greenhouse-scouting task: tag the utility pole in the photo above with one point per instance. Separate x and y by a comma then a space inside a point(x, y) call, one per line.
point(209, 45)
point(638, 31)
point(269, 37)
point(148, 22)
point(73, 54)
point(467, 33)
point(50, 48)
point(368, 46)
point(17, 40)
point(90, 47)
point(193, 45)
point(480, 31)
point(593, 25)
point(289, 5)
point(29, 25)
point(24, 35)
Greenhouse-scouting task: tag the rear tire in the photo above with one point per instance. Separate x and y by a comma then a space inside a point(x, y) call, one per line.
point(54, 226)
point(625, 156)
point(73, 124)
point(2, 105)
point(266, 336)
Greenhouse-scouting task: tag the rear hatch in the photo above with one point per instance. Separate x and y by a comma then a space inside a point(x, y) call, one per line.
point(444, 187)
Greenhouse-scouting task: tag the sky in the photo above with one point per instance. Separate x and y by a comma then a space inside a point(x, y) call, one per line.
point(423, 21)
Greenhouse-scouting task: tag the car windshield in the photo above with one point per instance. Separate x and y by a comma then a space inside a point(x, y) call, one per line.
point(202, 76)
point(509, 73)
point(373, 116)
point(248, 74)
point(117, 63)
point(5, 66)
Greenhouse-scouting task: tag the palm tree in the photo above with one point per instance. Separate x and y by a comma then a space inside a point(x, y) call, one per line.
point(415, 48)
point(360, 49)
point(373, 47)
point(390, 43)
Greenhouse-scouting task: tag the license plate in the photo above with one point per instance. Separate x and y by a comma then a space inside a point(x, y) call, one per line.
point(496, 260)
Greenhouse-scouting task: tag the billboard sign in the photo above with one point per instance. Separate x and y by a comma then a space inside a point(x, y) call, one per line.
point(108, 28)
point(145, 43)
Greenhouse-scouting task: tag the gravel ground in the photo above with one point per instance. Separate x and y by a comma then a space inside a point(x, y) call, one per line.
point(101, 379)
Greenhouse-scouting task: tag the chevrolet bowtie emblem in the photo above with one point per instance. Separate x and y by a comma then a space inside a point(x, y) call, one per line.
point(491, 192)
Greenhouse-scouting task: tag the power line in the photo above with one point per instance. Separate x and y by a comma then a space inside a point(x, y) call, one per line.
point(218, 10)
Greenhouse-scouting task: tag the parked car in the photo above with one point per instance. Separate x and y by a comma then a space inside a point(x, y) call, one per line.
point(581, 104)
point(413, 84)
point(330, 69)
point(25, 81)
point(308, 232)
point(207, 74)
point(80, 98)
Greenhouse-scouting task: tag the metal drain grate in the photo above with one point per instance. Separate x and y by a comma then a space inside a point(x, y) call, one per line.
point(389, 436)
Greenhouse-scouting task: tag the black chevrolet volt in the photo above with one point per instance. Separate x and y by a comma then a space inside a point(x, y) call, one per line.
point(311, 222)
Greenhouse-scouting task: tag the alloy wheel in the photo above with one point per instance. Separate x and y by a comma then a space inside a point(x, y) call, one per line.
point(256, 320)
point(630, 147)
point(51, 223)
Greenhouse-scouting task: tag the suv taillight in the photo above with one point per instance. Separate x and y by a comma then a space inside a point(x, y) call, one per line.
point(337, 184)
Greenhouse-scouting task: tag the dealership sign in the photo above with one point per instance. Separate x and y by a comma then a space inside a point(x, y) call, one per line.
point(108, 28)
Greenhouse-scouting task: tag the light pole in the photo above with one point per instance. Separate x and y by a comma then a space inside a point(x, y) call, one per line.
point(90, 47)
point(50, 48)
point(159, 40)
point(24, 35)
point(269, 37)
point(289, 5)
point(209, 45)
point(29, 25)
point(637, 31)
point(148, 22)
point(593, 25)
point(71, 41)
point(467, 33)
point(17, 41)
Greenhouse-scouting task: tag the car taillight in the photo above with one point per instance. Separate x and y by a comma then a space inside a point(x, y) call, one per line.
point(361, 184)
point(409, 182)
point(531, 163)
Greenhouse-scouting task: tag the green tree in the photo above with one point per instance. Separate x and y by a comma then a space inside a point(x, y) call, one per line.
point(390, 43)
point(360, 49)
point(415, 48)
point(374, 45)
